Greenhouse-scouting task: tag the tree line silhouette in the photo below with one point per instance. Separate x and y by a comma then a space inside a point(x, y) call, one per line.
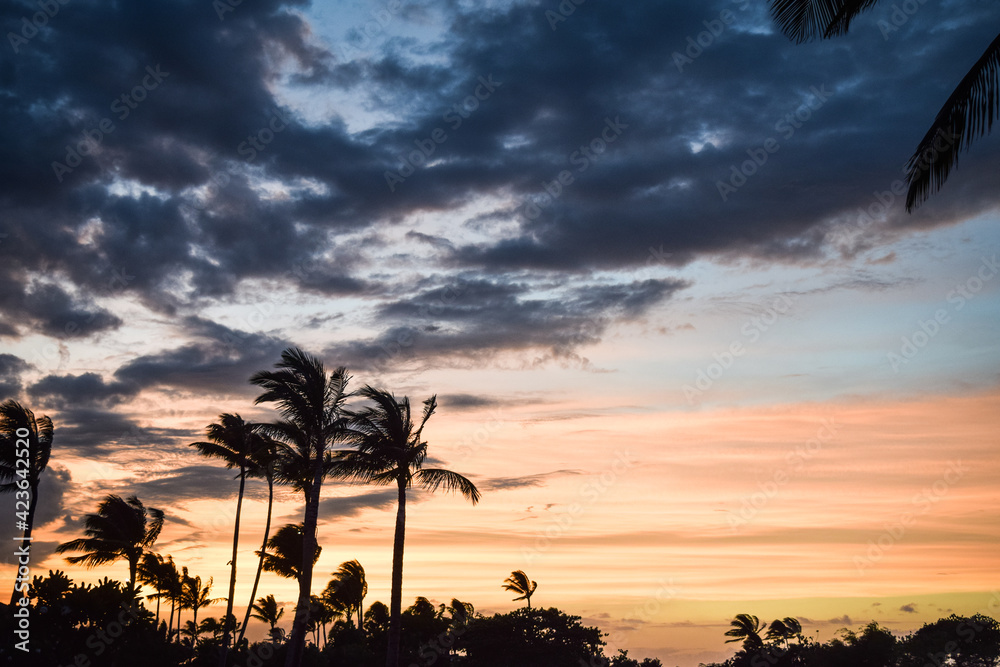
point(318, 438)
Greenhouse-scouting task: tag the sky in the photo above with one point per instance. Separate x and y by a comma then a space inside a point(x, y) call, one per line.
point(684, 336)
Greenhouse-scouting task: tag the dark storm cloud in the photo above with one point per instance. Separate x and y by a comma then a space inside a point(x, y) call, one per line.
point(192, 482)
point(479, 317)
point(11, 368)
point(602, 143)
point(77, 389)
point(333, 509)
point(218, 359)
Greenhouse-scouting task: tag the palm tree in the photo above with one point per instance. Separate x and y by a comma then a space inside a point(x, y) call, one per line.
point(22, 437)
point(310, 403)
point(120, 529)
point(173, 588)
point(195, 597)
point(266, 609)
point(519, 583)
point(284, 554)
point(153, 571)
point(349, 587)
point(784, 629)
point(746, 628)
point(263, 463)
point(389, 450)
point(232, 441)
point(460, 612)
point(967, 114)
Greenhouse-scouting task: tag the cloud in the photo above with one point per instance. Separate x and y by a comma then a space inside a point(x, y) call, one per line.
point(481, 317)
point(11, 368)
point(910, 608)
point(522, 482)
point(69, 390)
point(334, 509)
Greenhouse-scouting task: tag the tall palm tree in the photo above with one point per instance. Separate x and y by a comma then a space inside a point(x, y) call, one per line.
point(746, 628)
point(350, 587)
point(120, 529)
point(266, 609)
point(519, 583)
point(389, 450)
point(263, 463)
point(967, 114)
point(310, 403)
point(284, 552)
point(22, 434)
point(233, 442)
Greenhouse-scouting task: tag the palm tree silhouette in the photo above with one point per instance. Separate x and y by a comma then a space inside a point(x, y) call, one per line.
point(263, 463)
point(153, 571)
point(389, 451)
point(783, 629)
point(284, 552)
point(21, 433)
point(194, 596)
point(746, 628)
point(266, 609)
point(350, 587)
point(232, 441)
point(967, 114)
point(310, 403)
point(173, 589)
point(518, 582)
point(120, 529)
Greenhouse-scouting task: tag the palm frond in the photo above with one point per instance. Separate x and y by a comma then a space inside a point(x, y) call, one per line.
point(433, 478)
point(804, 20)
point(968, 114)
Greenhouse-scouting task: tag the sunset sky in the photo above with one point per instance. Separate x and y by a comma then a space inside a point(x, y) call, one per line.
point(684, 394)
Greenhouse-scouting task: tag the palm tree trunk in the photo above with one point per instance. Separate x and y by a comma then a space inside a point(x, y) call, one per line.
point(170, 625)
point(396, 596)
point(296, 642)
point(133, 569)
point(260, 561)
point(224, 653)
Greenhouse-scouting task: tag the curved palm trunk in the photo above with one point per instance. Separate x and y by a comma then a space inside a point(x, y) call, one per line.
point(396, 597)
point(260, 561)
point(224, 653)
point(296, 642)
